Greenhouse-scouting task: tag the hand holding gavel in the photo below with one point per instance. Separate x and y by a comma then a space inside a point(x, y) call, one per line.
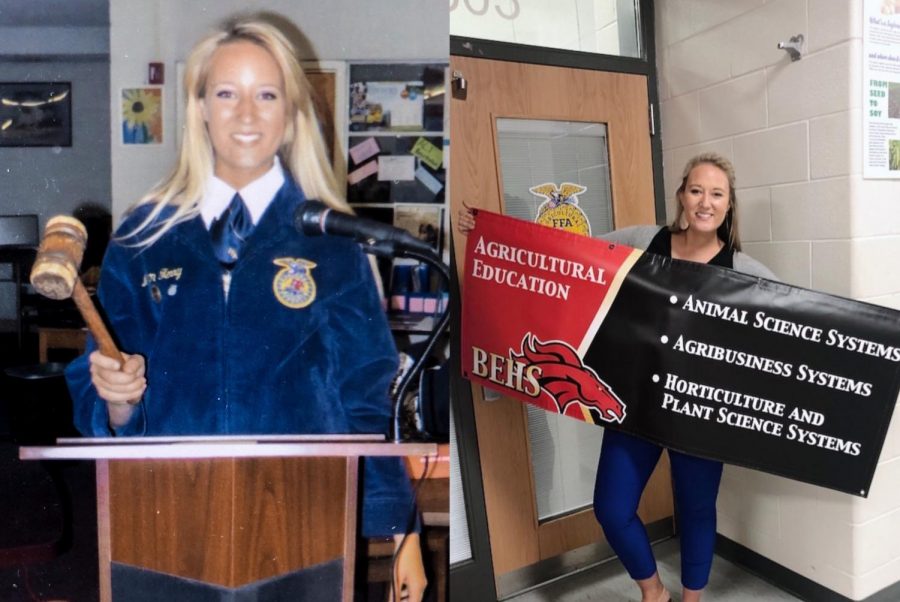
point(120, 385)
point(119, 378)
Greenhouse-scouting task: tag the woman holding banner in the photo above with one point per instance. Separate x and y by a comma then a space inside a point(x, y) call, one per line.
point(704, 230)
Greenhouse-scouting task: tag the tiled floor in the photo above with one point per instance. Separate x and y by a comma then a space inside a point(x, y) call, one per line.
point(610, 583)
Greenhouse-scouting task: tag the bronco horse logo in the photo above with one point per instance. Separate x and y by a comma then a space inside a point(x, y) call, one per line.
point(566, 383)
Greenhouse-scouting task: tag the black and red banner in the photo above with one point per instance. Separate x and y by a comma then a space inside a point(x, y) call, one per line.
point(702, 359)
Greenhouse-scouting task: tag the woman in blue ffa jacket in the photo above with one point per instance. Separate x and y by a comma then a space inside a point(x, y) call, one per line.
point(232, 322)
point(704, 230)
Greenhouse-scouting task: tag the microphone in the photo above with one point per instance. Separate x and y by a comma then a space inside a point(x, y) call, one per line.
point(315, 218)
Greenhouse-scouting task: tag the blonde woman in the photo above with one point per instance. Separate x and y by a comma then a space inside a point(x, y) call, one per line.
point(231, 321)
point(704, 230)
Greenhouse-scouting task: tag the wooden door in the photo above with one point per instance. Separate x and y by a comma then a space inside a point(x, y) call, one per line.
point(324, 94)
point(498, 90)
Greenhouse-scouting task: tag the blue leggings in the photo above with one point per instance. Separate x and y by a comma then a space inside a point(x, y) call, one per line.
point(626, 463)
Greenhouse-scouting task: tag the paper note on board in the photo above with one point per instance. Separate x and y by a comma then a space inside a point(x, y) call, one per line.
point(401, 168)
point(365, 149)
point(430, 182)
point(431, 155)
point(363, 172)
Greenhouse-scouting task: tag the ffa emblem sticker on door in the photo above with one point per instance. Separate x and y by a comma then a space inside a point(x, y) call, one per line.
point(293, 285)
point(560, 209)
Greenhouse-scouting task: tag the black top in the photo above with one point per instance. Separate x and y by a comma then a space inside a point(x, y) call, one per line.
point(662, 245)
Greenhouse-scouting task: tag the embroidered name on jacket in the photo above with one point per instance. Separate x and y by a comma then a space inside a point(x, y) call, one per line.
point(156, 279)
point(162, 274)
point(293, 285)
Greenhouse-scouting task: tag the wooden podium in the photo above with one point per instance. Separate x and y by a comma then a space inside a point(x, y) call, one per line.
point(249, 517)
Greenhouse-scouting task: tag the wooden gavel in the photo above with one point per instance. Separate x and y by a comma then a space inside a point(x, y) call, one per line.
point(55, 275)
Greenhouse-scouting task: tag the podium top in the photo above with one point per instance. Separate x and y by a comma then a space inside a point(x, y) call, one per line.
point(241, 446)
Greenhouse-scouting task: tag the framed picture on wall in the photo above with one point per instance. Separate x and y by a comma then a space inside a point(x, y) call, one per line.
point(35, 114)
point(142, 115)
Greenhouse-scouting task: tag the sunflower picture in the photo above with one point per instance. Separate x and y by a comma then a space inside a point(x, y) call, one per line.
point(142, 115)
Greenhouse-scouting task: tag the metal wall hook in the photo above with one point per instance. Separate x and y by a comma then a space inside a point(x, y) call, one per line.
point(793, 47)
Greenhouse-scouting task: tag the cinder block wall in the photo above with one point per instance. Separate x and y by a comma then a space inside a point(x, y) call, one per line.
point(794, 132)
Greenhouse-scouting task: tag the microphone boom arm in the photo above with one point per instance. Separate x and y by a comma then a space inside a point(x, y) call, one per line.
point(314, 218)
point(440, 327)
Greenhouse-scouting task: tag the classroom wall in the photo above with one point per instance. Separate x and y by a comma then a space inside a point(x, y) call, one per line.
point(51, 180)
point(794, 133)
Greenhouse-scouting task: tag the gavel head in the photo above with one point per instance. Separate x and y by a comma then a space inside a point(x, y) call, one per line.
point(59, 257)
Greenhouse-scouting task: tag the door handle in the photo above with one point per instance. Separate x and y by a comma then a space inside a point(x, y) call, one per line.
point(458, 85)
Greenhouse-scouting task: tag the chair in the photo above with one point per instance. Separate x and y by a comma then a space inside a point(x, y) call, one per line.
point(19, 231)
point(38, 403)
point(19, 238)
point(73, 339)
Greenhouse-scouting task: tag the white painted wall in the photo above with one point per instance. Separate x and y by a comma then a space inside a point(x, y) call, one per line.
point(145, 31)
point(585, 25)
point(794, 132)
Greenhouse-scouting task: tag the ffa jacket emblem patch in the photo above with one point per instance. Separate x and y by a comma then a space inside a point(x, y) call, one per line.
point(560, 209)
point(293, 285)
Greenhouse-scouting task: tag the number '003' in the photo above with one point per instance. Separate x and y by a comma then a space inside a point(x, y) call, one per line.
point(485, 5)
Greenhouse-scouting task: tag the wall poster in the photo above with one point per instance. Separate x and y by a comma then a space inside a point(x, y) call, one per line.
point(881, 89)
point(142, 115)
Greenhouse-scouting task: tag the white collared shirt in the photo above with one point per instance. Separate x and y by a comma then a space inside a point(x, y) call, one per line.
point(257, 195)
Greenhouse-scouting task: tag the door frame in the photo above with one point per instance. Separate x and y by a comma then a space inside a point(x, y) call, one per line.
point(556, 57)
point(471, 579)
point(476, 576)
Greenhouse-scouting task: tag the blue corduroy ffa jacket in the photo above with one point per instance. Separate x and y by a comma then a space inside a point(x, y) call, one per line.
point(300, 345)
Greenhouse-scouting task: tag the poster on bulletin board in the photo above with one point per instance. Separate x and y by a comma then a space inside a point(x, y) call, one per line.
point(881, 89)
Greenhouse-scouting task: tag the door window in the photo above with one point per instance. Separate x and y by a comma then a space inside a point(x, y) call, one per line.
point(545, 163)
point(460, 546)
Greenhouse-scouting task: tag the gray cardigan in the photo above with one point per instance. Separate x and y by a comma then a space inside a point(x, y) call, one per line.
point(639, 237)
